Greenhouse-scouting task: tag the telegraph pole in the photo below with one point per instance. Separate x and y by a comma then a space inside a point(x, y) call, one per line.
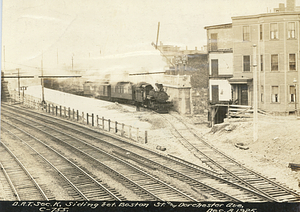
point(157, 35)
point(255, 129)
point(18, 81)
point(42, 82)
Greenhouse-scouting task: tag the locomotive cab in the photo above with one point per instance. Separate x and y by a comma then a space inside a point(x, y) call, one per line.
point(142, 91)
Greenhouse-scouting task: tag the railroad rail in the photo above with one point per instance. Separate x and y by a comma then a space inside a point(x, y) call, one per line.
point(80, 184)
point(148, 184)
point(228, 167)
point(9, 192)
point(22, 183)
point(187, 173)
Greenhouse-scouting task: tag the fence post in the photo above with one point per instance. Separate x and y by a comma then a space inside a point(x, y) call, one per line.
point(60, 110)
point(146, 136)
point(102, 122)
point(49, 108)
point(65, 111)
point(82, 117)
point(73, 111)
point(97, 117)
point(116, 126)
point(69, 112)
point(87, 118)
point(122, 132)
point(92, 119)
point(108, 125)
point(56, 110)
point(129, 132)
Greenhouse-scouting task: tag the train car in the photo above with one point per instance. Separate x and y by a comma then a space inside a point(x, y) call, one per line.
point(104, 92)
point(88, 89)
point(141, 94)
point(97, 90)
point(122, 92)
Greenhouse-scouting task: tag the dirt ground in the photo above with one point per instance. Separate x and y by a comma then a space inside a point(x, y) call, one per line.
point(278, 144)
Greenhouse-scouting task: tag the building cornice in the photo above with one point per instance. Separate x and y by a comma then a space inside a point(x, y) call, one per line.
point(265, 15)
point(219, 26)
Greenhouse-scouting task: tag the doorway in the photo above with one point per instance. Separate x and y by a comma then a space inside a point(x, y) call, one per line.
point(243, 94)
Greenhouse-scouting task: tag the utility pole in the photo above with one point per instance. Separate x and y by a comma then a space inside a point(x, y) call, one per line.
point(157, 35)
point(72, 61)
point(255, 129)
point(42, 82)
point(18, 81)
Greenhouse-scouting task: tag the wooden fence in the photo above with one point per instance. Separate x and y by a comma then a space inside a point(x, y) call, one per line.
point(89, 119)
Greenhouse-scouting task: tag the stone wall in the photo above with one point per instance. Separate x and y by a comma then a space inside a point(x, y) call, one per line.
point(200, 101)
point(195, 76)
point(198, 68)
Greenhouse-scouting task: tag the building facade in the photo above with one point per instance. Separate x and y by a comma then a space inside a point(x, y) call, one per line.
point(277, 40)
point(220, 58)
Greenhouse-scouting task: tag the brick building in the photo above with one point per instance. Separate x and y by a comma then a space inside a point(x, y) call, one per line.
point(277, 37)
point(189, 97)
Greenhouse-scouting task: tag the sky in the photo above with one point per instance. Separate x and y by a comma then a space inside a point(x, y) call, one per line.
point(105, 36)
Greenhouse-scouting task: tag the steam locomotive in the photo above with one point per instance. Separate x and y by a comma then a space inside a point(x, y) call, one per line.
point(141, 94)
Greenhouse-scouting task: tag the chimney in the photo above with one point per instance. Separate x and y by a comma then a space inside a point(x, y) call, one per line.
point(281, 7)
point(290, 5)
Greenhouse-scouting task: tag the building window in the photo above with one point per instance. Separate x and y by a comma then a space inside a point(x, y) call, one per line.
point(260, 32)
point(214, 68)
point(246, 62)
point(292, 93)
point(291, 30)
point(292, 62)
point(275, 94)
point(262, 93)
point(261, 63)
point(274, 62)
point(274, 31)
point(214, 42)
point(246, 33)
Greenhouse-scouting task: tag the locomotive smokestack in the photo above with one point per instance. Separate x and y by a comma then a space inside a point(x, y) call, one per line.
point(160, 87)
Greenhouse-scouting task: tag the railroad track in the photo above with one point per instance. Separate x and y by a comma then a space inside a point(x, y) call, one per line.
point(8, 191)
point(228, 167)
point(22, 184)
point(154, 188)
point(79, 184)
point(194, 176)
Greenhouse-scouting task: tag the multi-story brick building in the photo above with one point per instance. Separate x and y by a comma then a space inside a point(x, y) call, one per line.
point(277, 37)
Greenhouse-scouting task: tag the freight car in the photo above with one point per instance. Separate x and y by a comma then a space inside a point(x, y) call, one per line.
point(141, 94)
